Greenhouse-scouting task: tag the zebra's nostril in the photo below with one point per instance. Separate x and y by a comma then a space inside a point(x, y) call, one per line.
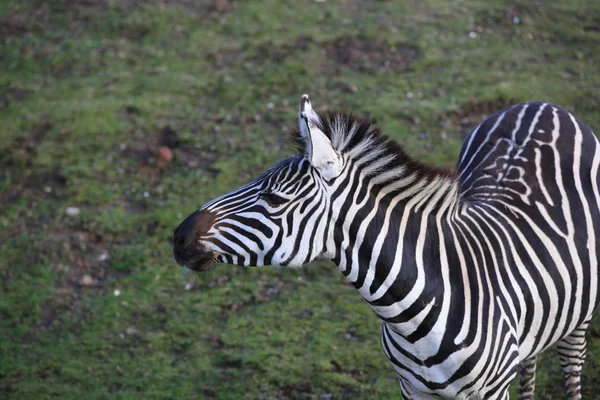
point(178, 240)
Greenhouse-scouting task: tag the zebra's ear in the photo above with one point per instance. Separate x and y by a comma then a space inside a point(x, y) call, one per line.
point(318, 147)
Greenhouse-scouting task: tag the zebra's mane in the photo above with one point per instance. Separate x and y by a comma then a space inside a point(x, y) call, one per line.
point(362, 141)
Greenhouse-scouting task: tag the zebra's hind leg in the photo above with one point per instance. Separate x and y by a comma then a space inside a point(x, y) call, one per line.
point(572, 350)
point(527, 378)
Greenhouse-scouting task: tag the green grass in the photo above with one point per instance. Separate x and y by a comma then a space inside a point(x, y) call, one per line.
point(90, 90)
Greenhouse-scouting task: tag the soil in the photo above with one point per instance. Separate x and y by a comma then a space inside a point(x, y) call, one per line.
point(467, 116)
point(368, 55)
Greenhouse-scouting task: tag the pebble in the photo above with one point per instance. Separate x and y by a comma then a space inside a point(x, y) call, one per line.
point(165, 155)
point(72, 211)
point(87, 280)
point(117, 292)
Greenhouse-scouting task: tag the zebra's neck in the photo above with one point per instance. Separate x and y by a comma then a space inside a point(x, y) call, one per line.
point(385, 232)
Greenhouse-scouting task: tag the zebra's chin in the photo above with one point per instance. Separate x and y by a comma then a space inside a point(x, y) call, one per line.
point(202, 263)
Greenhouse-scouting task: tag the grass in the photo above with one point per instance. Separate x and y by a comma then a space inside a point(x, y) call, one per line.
point(92, 305)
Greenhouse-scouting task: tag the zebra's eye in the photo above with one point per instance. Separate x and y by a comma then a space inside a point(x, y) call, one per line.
point(273, 199)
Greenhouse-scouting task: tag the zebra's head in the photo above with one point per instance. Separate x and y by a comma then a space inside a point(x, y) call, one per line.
point(282, 217)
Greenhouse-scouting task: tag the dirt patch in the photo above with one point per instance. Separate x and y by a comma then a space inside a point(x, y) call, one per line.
point(36, 17)
point(83, 266)
point(212, 8)
point(49, 184)
point(371, 55)
point(84, 14)
point(272, 52)
point(10, 27)
point(18, 157)
point(357, 53)
point(249, 57)
point(148, 153)
point(468, 115)
point(505, 16)
point(10, 94)
point(226, 58)
point(21, 152)
point(592, 27)
point(297, 391)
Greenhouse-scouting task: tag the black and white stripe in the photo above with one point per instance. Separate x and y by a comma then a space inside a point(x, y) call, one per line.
point(474, 273)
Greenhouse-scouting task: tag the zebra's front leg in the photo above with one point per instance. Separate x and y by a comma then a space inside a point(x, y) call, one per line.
point(403, 390)
point(572, 350)
point(527, 378)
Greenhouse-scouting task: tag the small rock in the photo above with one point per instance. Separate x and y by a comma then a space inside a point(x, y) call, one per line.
point(131, 331)
point(165, 155)
point(72, 211)
point(472, 34)
point(87, 280)
point(117, 292)
point(516, 20)
point(270, 106)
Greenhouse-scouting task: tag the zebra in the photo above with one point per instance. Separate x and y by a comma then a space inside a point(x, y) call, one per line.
point(473, 271)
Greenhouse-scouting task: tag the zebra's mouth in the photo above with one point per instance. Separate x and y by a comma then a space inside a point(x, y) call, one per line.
point(200, 263)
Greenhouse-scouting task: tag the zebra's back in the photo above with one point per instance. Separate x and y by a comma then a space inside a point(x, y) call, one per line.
point(530, 174)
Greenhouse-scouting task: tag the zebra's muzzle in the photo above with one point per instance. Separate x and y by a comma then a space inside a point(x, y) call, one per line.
point(194, 257)
point(187, 249)
point(200, 263)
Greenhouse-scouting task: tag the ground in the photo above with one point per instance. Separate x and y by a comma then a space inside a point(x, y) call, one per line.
point(96, 95)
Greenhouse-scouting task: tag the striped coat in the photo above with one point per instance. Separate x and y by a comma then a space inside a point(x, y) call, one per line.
point(473, 272)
